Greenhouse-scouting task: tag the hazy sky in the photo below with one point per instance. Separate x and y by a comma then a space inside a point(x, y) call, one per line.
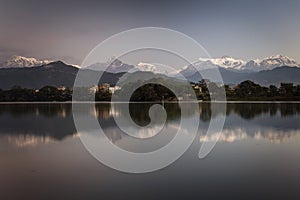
point(68, 30)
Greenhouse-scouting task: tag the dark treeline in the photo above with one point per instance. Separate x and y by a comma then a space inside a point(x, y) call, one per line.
point(249, 90)
point(246, 90)
point(47, 93)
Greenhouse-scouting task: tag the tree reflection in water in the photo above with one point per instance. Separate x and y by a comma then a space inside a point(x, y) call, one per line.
point(44, 122)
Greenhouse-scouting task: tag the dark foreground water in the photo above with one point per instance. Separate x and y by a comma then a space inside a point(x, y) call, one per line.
point(257, 156)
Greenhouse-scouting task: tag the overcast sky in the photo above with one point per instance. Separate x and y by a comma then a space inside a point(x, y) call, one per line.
point(68, 30)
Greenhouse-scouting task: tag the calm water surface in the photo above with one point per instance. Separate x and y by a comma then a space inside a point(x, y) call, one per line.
point(257, 156)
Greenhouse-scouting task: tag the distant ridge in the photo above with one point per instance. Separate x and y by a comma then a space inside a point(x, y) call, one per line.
point(21, 61)
point(60, 74)
point(54, 74)
point(266, 77)
point(237, 65)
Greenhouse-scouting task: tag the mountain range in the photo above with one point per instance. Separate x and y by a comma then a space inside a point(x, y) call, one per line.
point(53, 74)
point(21, 61)
point(238, 65)
point(33, 73)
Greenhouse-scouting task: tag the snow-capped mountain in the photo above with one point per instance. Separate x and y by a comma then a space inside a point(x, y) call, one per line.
point(117, 66)
point(141, 66)
point(269, 63)
point(59, 73)
point(226, 62)
point(238, 65)
point(20, 61)
point(113, 66)
point(156, 68)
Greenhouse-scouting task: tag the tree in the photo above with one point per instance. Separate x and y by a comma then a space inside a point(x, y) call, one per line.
point(205, 92)
point(48, 93)
point(273, 91)
point(286, 89)
point(229, 91)
point(248, 89)
point(297, 90)
point(103, 95)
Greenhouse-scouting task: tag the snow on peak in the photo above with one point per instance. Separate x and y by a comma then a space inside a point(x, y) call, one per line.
point(146, 67)
point(157, 68)
point(113, 65)
point(233, 64)
point(269, 63)
point(20, 61)
point(280, 60)
point(225, 62)
point(230, 63)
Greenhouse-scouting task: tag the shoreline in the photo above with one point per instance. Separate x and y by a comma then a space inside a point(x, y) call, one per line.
point(141, 102)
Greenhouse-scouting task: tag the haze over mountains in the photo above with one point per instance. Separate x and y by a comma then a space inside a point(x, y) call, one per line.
point(34, 73)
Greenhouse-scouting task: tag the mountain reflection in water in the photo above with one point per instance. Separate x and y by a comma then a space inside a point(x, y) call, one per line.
point(30, 124)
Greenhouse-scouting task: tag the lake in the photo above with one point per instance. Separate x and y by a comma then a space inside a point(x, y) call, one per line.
point(257, 155)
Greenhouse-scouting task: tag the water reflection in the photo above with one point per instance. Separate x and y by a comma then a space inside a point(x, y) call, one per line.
point(29, 140)
point(31, 124)
point(37, 120)
point(236, 134)
point(40, 153)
